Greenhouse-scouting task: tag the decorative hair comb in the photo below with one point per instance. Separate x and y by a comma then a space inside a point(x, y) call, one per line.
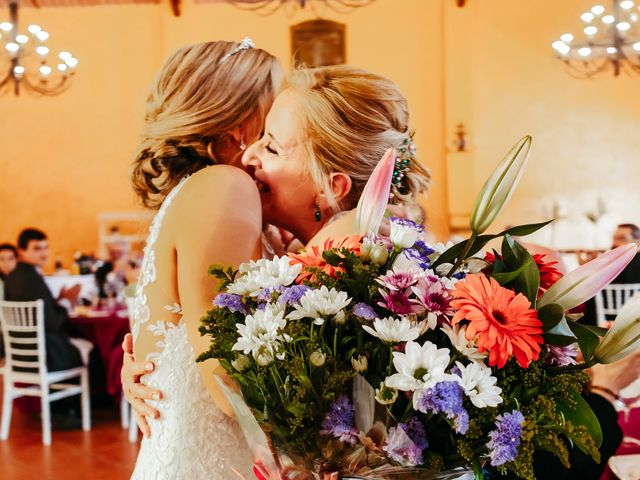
point(245, 44)
point(399, 182)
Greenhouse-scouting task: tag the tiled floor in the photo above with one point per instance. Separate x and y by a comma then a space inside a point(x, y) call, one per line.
point(104, 453)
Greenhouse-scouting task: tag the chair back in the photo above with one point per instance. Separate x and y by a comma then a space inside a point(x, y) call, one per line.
point(23, 331)
point(611, 298)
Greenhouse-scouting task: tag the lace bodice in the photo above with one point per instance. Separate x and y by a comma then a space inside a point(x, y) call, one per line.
point(192, 439)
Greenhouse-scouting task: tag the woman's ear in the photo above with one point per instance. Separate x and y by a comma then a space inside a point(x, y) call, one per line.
point(340, 184)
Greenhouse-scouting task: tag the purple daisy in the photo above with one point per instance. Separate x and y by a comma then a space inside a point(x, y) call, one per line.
point(561, 356)
point(505, 439)
point(397, 280)
point(434, 296)
point(398, 302)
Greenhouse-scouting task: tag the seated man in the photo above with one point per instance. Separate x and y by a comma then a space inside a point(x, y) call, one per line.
point(625, 233)
point(118, 271)
point(26, 283)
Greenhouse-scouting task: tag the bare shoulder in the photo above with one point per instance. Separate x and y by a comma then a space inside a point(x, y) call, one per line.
point(216, 193)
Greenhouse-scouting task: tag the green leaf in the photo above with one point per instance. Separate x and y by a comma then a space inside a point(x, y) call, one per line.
point(558, 340)
point(450, 255)
point(580, 414)
point(517, 257)
point(587, 339)
point(550, 316)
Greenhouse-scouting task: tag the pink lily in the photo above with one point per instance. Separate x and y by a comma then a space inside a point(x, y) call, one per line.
point(375, 196)
point(583, 283)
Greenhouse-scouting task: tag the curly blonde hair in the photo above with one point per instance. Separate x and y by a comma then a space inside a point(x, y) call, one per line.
point(351, 118)
point(197, 98)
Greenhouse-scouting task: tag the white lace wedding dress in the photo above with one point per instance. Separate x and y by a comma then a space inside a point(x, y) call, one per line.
point(192, 439)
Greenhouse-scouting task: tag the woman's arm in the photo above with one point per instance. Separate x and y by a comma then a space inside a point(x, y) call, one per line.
point(216, 219)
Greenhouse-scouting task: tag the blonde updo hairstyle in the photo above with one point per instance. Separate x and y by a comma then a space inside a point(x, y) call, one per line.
point(351, 117)
point(196, 99)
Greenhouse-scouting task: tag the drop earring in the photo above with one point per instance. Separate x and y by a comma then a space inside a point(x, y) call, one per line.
point(317, 215)
point(243, 146)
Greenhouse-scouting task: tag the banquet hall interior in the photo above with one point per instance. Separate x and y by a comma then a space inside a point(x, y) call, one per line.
point(478, 75)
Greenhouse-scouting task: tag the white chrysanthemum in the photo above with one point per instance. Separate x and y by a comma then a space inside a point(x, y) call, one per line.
point(261, 274)
point(468, 348)
point(419, 367)
point(393, 330)
point(320, 304)
point(479, 385)
point(261, 336)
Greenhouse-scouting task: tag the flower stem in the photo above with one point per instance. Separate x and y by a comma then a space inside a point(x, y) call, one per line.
point(464, 253)
point(570, 368)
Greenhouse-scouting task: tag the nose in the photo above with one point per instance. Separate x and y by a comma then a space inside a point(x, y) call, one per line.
point(250, 156)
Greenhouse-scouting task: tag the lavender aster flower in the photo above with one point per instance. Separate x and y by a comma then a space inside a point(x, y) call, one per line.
point(364, 311)
point(231, 302)
point(505, 439)
point(339, 421)
point(293, 294)
point(561, 356)
point(445, 397)
point(401, 448)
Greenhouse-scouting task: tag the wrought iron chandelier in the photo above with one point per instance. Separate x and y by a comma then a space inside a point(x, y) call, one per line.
point(28, 61)
point(611, 41)
point(268, 7)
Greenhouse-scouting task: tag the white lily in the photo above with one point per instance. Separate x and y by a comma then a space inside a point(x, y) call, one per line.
point(624, 336)
point(581, 284)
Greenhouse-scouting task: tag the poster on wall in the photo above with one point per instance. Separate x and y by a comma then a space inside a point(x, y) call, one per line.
point(318, 43)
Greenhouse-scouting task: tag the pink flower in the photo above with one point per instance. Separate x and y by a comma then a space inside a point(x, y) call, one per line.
point(398, 302)
point(397, 280)
point(433, 296)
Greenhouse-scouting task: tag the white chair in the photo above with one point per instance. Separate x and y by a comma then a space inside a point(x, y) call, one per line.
point(127, 415)
point(23, 330)
point(611, 299)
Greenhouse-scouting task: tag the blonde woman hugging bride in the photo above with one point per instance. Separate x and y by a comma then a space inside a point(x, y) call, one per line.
point(216, 167)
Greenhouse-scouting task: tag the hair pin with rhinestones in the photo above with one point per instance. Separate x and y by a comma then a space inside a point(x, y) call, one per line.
point(245, 44)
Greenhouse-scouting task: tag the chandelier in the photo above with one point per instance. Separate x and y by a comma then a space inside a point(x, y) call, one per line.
point(611, 40)
point(267, 7)
point(29, 65)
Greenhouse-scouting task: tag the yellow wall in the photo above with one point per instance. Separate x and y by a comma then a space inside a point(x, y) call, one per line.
point(503, 81)
point(65, 159)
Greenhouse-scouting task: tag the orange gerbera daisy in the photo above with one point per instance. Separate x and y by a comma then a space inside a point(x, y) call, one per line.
point(502, 322)
point(312, 257)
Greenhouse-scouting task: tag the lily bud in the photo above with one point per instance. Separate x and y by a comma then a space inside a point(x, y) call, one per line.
point(317, 358)
point(379, 253)
point(375, 196)
point(581, 284)
point(499, 186)
point(365, 249)
point(241, 363)
point(360, 364)
point(623, 338)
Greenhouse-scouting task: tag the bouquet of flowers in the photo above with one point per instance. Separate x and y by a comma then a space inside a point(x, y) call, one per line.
point(378, 356)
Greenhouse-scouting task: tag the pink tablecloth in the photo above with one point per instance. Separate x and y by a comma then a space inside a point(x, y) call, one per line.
point(630, 425)
point(106, 331)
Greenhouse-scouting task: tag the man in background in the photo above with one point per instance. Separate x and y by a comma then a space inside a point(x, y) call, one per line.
point(26, 283)
point(627, 233)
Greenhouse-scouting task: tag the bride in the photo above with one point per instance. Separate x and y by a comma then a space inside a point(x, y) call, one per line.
point(323, 137)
